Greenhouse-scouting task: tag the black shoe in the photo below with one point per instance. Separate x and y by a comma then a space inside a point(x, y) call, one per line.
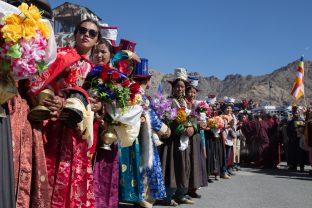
point(292, 168)
point(210, 181)
point(194, 195)
point(171, 203)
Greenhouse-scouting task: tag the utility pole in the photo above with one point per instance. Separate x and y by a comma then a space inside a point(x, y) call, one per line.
point(270, 91)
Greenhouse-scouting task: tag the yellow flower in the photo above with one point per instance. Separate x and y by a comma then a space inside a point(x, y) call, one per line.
point(12, 32)
point(43, 27)
point(31, 12)
point(29, 29)
point(13, 19)
point(23, 7)
point(181, 116)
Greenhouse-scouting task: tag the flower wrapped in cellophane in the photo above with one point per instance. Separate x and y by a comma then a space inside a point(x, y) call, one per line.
point(27, 43)
point(204, 110)
point(163, 109)
point(215, 124)
point(184, 120)
point(122, 104)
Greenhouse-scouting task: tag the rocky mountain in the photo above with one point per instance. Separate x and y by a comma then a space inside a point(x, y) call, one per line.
point(250, 87)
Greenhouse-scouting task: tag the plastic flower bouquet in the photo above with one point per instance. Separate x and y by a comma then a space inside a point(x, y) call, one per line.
point(184, 120)
point(25, 45)
point(113, 87)
point(215, 124)
point(203, 107)
point(204, 110)
point(163, 109)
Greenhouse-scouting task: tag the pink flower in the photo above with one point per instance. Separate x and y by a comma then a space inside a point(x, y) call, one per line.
point(23, 67)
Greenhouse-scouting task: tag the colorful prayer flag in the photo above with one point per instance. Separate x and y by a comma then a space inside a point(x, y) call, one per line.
point(298, 89)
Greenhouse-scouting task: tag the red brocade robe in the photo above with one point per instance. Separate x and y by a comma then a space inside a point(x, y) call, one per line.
point(30, 171)
point(67, 156)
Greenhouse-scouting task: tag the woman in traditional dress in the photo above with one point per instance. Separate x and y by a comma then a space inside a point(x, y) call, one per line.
point(175, 152)
point(67, 157)
point(151, 173)
point(106, 159)
point(198, 176)
point(214, 146)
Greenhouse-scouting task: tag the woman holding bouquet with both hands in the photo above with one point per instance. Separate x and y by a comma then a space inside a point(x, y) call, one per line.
point(175, 152)
point(116, 169)
point(214, 144)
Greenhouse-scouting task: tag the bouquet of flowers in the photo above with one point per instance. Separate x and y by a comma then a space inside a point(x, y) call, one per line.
point(215, 124)
point(183, 119)
point(204, 110)
point(113, 87)
point(163, 109)
point(25, 48)
point(25, 40)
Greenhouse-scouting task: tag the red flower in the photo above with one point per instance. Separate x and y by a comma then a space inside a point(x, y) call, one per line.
point(115, 75)
point(122, 66)
point(134, 89)
point(104, 73)
point(125, 83)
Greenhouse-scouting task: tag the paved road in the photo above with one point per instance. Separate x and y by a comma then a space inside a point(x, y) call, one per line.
point(254, 188)
point(257, 188)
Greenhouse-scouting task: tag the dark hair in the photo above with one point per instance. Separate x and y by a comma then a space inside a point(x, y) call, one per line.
point(190, 87)
point(226, 105)
point(92, 21)
point(240, 117)
point(142, 80)
point(105, 42)
point(175, 82)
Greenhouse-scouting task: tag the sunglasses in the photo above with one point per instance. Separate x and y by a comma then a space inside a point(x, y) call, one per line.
point(92, 33)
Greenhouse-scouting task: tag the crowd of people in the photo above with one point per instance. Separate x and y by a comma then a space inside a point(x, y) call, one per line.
point(96, 139)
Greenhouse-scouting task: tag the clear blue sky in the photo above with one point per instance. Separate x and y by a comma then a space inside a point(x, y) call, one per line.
point(213, 37)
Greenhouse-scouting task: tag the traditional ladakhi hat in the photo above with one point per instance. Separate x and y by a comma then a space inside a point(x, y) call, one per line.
point(193, 81)
point(228, 100)
point(109, 33)
point(179, 73)
point(125, 45)
point(141, 70)
point(211, 99)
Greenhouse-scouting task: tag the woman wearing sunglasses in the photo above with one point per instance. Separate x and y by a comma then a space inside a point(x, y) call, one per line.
point(67, 148)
